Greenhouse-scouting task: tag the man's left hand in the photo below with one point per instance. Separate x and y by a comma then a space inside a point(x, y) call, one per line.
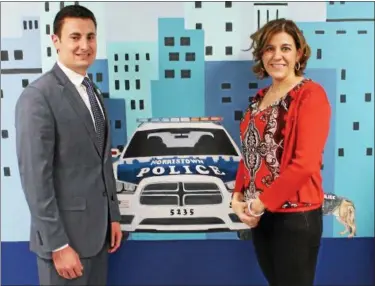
point(116, 236)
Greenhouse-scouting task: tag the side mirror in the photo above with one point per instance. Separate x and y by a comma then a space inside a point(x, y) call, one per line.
point(120, 148)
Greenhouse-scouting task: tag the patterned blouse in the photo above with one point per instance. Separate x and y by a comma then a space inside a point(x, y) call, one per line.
point(262, 142)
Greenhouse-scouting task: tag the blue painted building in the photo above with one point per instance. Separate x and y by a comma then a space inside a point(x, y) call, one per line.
point(132, 67)
point(117, 116)
point(179, 91)
point(327, 78)
point(229, 85)
point(22, 53)
point(226, 27)
point(98, 72)
point(347, 46)
point(343, 10)
point(20, 65)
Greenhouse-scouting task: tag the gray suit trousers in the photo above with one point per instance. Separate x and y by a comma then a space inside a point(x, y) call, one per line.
point(94, 271)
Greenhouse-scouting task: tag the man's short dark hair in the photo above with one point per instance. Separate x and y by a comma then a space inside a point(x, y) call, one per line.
point(71, 11)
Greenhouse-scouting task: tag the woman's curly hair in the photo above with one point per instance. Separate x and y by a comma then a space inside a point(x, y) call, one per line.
point(262, 37)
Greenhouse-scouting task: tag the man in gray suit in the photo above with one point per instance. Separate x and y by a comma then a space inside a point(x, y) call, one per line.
point(63, 149)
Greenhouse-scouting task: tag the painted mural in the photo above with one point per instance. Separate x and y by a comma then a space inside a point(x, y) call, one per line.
point(163, 62)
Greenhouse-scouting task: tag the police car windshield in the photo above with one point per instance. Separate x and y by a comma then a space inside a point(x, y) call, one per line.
point(180, 142)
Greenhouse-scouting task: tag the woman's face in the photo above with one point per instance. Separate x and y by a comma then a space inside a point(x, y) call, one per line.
point(280, 56)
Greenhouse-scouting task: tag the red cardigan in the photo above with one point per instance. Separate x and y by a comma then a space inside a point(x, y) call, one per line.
point(306, 133)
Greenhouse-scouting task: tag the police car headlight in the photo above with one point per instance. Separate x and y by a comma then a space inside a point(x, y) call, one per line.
point(125, 187)
point(230, 185)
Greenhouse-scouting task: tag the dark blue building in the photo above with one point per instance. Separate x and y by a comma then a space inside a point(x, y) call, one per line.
point(229, 85)
point(98, 72)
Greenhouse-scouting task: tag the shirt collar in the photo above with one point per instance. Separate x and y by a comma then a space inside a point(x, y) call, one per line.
point(74, 77)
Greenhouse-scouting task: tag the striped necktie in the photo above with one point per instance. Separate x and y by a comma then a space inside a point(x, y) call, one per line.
point(97, 113)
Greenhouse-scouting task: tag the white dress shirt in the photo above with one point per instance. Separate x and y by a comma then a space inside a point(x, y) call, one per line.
point(77, 80)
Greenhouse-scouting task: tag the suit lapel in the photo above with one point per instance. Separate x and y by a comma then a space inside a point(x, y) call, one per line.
point(78, 105)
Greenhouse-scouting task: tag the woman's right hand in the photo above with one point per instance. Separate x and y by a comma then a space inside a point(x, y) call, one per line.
point(239, 207)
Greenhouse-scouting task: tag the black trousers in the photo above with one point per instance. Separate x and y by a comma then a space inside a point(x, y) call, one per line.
point(287, 246)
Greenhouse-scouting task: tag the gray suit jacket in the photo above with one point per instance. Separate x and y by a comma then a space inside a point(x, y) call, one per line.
point(69, 185)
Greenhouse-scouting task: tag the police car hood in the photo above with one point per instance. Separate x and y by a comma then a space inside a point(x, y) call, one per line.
point(134, 170)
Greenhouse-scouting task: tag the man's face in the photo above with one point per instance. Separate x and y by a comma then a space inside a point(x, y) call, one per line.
point(77, 44)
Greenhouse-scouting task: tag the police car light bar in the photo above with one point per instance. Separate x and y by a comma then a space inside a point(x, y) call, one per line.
point(181, 119)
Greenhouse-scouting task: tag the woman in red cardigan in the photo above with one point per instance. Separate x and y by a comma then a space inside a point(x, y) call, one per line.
point(278, 190)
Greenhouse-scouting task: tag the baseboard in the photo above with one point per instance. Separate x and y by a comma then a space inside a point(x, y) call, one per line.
point(202, 262)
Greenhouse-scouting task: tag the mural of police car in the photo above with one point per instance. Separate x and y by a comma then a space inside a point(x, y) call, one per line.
point(177, 175)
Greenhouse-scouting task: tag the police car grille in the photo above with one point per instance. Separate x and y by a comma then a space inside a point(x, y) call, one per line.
point(181, 194)
point(160, 194)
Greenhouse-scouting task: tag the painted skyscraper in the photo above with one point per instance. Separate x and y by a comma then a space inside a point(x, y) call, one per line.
point(132, 67)
point(226, 25)
point(181, 71)
point(342, 43)
point(20, 65)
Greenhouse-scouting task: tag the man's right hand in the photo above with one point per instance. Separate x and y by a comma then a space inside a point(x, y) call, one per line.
point(239, 208)
point(67, 263)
